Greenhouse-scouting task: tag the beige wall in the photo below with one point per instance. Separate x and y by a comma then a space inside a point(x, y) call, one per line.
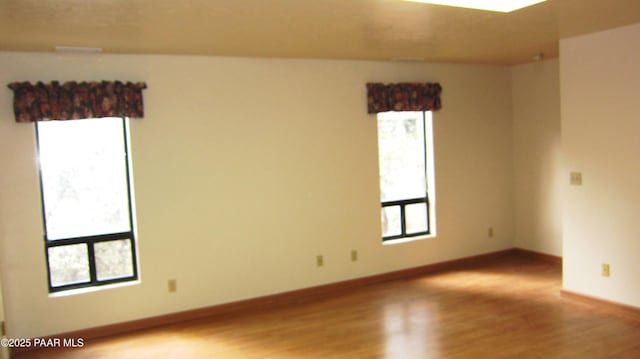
point(600, 78)
point(1, 300)
point(245, 170)
point(538, 175)
point(4, 352)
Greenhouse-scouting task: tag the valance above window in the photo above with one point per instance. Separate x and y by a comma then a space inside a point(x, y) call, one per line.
point(76, 100)
point(403, 97)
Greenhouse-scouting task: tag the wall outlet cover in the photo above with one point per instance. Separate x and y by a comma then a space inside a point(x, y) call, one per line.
point(575, 178)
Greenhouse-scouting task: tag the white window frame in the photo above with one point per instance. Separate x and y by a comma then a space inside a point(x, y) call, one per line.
point(94, 239)
point(430, 193)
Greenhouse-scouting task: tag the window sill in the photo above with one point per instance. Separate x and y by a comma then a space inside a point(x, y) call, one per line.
point(407, 239)
point(97, 288)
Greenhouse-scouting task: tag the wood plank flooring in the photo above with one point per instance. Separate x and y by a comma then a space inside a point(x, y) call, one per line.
point(507, 308)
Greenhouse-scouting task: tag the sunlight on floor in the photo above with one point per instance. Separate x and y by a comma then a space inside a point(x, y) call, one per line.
point(408, 331)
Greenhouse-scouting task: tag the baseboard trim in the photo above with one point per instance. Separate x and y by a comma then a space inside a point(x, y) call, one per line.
point(624, 310)
point(275, 300)
point(538, 255)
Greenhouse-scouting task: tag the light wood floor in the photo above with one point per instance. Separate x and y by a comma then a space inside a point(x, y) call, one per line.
point(509, 308)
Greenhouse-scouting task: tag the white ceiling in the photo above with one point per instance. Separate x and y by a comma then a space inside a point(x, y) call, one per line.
point(337, 29)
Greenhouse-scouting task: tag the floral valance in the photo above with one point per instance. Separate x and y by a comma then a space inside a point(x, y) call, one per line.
point(76, 100)
point(403, 97)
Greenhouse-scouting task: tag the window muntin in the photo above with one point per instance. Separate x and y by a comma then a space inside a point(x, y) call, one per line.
point(88, 219)
point(403, 140)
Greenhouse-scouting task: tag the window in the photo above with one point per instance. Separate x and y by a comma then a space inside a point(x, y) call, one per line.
point(405, 150)
point(86, 199)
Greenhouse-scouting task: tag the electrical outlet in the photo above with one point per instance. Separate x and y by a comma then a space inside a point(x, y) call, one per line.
point(490, 231)
point(606, 270)
point(354, 255)
point(319, 261)
point(173, 285)
point(575, 178)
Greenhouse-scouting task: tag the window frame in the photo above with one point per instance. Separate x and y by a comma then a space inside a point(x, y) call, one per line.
point(426, 199)
point(403, 223)
point(91, 240)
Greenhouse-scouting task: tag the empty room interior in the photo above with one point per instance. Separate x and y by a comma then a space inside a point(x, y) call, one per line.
point(257, 219)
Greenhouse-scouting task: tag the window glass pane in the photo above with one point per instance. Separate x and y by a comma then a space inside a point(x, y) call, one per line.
point(68, 264)
point(401, 147)
point(113, 259)
point(84, 179)
point(416, 217)
point(391, 221)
